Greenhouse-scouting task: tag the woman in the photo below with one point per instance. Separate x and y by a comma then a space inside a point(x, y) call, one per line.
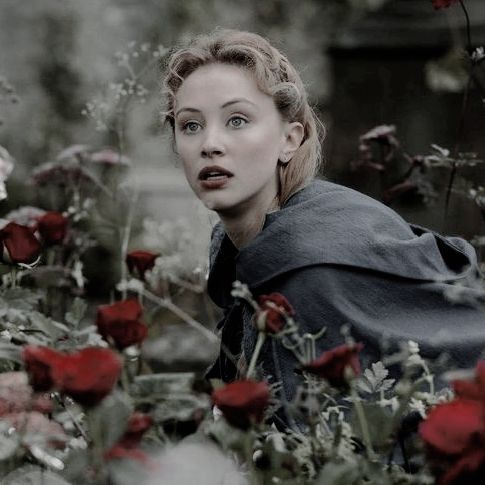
point(249, 143)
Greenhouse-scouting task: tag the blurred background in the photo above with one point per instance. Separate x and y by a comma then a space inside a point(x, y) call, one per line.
point(365, 62)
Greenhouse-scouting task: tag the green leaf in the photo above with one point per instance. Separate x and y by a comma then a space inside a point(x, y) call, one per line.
point(379, 421)
point(47, 325)
point(108, 420)
point(33, 475)
point(19, 298)
point(10, 352)
point(77, 312)
point(374, 380)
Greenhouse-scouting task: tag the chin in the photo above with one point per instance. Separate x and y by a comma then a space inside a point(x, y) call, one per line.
point(216, 203)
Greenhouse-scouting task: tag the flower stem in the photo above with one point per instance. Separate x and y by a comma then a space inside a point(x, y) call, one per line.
point(468, 34)
point(254, 357)
point(363, 424)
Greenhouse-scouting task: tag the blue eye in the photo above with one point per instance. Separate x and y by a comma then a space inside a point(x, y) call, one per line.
point(237, 121)
point(190, 127)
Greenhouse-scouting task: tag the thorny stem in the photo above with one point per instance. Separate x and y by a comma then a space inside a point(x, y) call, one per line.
point(165, 303)
point(248, 451)
point(74, 419)
point(461, 124)
point(254, 357)
point(126, 238)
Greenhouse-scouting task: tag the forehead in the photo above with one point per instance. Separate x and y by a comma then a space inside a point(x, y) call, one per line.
point(217, 83)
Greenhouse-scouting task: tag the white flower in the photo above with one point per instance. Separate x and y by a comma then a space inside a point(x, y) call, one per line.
point(202, 463)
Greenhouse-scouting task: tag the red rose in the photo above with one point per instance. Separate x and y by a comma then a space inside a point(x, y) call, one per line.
point(452, 427)
point(52, 227)
point(472, 389)
point(437, 4)
point(120, 323)
point(126, 447)
point(39, 362)
point(242, 402)
point(273, 308)
point(139, 262)
point(332, 365)
point(18, 244)
point(87, 376)
point(455, 436)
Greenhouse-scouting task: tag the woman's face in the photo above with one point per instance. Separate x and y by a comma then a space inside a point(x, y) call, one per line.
point(229, 136)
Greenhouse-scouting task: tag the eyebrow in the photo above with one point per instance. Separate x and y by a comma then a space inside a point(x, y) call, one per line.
point(225, 105)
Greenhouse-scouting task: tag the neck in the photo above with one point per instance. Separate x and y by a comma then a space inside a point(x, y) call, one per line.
point(244, 226)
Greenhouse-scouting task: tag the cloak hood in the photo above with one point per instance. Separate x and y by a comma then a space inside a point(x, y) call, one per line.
point(328, 224)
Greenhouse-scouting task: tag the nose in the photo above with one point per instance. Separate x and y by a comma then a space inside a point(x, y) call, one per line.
point(212, 145)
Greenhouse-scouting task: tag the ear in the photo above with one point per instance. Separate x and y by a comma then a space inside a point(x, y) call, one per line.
point(293, 137)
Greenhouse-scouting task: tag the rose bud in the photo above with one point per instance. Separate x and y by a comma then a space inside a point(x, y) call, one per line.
point(120, 323)
point(18, 244)
point(139, 262)
point(52, 227)
point(334, 365)
point(88, 376)
point(242, 402)
point(39, 362)
point(274, 307)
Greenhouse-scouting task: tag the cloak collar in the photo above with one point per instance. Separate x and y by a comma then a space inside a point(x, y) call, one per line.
point(326, 223)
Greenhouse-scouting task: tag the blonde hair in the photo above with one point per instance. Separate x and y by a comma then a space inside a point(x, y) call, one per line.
point(274, 75)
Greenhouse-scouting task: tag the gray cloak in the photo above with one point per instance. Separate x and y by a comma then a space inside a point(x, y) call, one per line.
point(341, 257)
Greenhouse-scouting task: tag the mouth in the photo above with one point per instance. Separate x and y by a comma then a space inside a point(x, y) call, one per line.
point(214, 173)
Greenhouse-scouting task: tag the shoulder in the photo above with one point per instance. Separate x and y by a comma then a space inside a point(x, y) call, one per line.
point(330, 224)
